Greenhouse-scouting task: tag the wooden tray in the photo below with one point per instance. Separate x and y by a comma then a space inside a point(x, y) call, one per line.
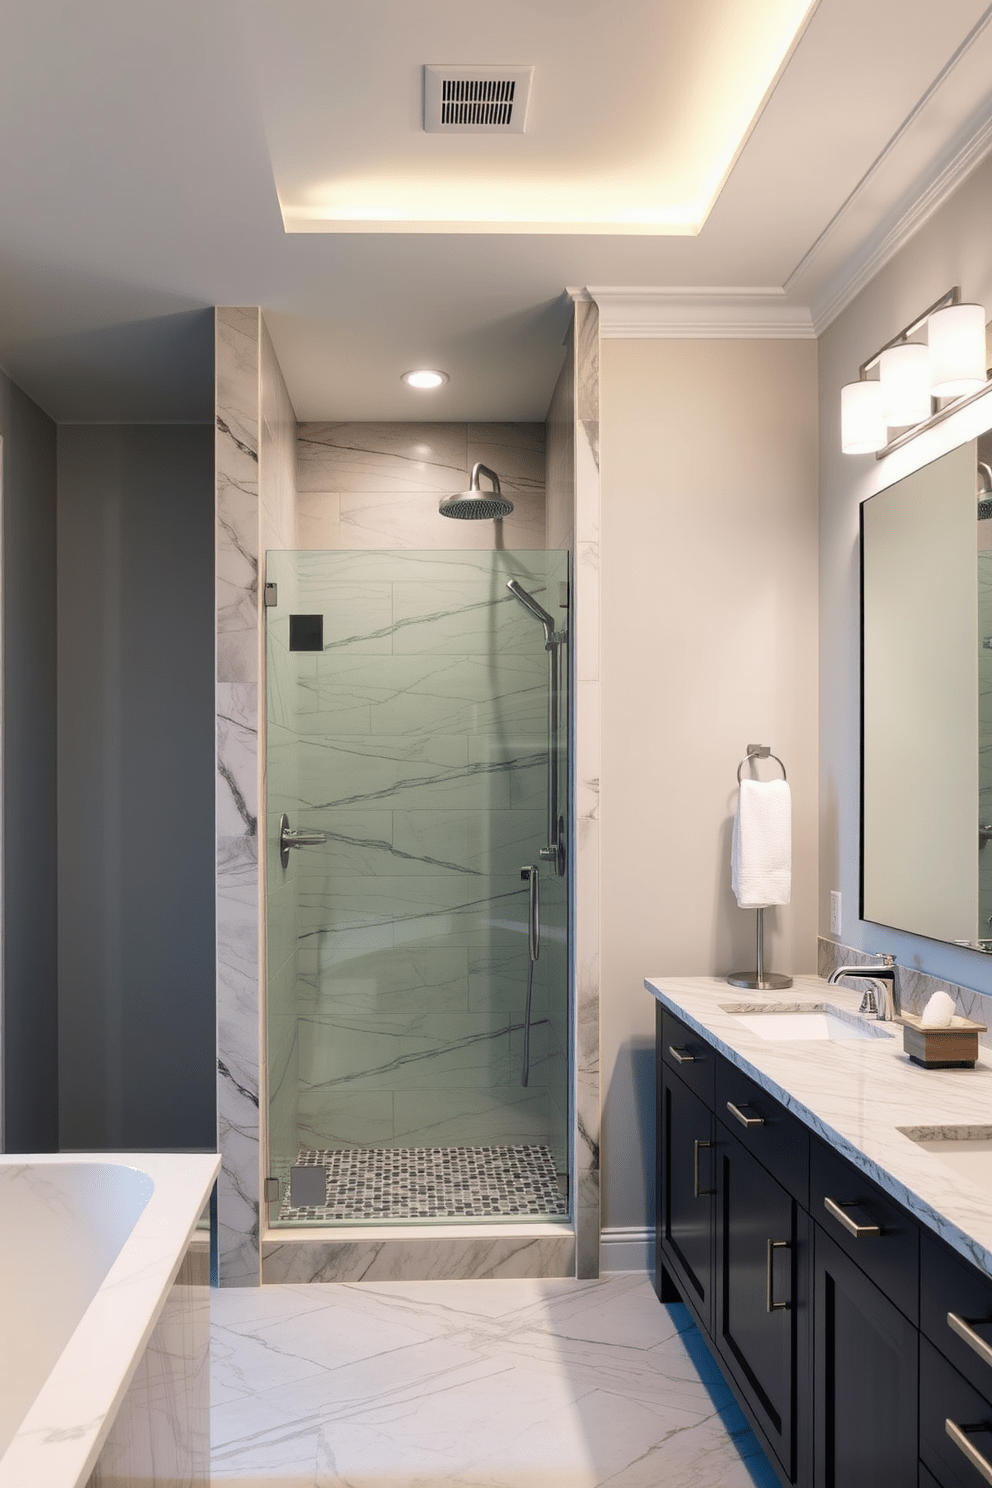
point(954, 1047)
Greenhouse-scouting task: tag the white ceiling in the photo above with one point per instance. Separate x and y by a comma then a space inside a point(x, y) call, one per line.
point(140, 146)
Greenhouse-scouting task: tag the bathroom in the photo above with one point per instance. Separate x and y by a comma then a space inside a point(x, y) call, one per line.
point(717, 579)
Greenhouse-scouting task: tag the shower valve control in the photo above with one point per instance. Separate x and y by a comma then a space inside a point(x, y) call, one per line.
point(288, 838)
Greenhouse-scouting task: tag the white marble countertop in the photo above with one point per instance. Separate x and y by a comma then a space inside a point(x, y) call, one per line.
point(856, 1096)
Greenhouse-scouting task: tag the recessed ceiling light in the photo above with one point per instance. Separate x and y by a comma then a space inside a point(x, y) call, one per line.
point(424, 378)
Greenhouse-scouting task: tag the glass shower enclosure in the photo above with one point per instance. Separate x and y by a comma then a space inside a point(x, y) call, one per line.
point(417, 926)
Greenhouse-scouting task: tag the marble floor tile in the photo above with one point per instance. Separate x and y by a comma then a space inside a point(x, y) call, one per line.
point(494, 1384)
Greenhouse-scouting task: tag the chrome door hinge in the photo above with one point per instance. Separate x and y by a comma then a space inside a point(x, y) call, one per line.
point(271, 595)
point(271, 1190)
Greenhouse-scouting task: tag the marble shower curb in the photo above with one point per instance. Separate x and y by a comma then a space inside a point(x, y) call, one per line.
point(419, 1253)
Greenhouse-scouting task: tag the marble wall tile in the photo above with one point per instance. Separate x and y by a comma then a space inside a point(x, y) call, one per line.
point(473, 842)
point(428, 1051)
point(560, 457)
point(237, 758)
point(355, 1118)
point(468, 1116)
point(428, 1259)
point(277, 451)
point(318, 519)
point(399, 457)
point(586, 769)
point(456, 618)
point(236, 456)
point(519, 462)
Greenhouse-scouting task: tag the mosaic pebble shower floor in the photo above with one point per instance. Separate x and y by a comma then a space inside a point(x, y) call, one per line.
point(405, 1183)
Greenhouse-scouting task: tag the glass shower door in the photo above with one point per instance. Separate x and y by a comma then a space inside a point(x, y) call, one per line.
point(408, 762)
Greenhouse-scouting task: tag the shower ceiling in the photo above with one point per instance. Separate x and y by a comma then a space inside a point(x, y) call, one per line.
point(146, 149)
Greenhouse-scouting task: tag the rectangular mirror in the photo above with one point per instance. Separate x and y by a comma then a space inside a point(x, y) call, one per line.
point(926, 839)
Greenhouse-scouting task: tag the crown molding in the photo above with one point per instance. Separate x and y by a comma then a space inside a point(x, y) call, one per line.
point(861, 267)
point(716, 313)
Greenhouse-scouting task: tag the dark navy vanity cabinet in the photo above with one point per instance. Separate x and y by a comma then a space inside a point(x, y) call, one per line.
point(858, 1345)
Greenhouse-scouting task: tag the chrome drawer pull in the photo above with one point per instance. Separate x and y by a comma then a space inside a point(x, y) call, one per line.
point(680, 1056)
point(961, 1328)
point(697, 1192)
point(744, 1120)
point(770, 1304)
point(979, 1463)
point(859, 1231)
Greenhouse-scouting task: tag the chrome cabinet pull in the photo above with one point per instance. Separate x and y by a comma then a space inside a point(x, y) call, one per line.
point(697, 1192)
point(963, 1330)
point(770, 1304)
point(979, 1463)
point(839, 1212)
point(744, 1120)
point(680, 1056)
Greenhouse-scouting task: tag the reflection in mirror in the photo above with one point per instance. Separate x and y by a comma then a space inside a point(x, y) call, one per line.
point(927, 700)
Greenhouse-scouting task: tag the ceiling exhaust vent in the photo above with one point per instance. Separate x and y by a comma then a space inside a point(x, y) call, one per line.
point(476, 100)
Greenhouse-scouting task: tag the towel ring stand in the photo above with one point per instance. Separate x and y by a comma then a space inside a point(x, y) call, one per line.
point(760, 751)
point(760, 980)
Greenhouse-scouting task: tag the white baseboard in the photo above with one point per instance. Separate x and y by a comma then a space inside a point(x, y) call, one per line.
point(627, 1249)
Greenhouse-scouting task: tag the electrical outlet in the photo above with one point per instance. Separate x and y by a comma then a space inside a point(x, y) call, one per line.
point(835, 912)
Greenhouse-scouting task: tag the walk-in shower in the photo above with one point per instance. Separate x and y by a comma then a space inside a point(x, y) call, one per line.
point(418, 991)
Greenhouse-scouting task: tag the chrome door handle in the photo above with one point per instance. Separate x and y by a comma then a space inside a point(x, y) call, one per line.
point(744, 1120)
point(770, 1304)
point(680, 1056)
point(697, 1192)
point(288, 838)
point(859, 1231)
point(979, 1463)
point(964, 1330)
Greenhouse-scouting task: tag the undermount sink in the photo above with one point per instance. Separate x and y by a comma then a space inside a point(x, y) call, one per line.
point(790, 1022)
point(963, 1150)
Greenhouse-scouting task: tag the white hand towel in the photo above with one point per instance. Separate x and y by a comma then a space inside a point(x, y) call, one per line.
point(761, 856)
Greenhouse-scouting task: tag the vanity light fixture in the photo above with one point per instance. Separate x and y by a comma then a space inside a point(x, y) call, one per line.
point(425, 378)
point(914, 376)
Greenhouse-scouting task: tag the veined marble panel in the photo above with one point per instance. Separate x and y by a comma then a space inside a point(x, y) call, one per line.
point(469, 1117)
point(472, 842)
point(349, 1118)
point(426, 694)
point(467, 618)
point(397, 457)
point(318, 519)
point(436, 1257)
point(497, 978)
point(237, 758)
point(424, 1052)
point(402, 979)
point(420, 911)
point(430, 565)
point(236, 454)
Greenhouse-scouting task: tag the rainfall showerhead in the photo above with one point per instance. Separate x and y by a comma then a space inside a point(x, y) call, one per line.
point(476, 505)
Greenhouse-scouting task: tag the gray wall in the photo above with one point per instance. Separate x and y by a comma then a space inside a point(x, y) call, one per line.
point(135, 786)
point(30, 1037)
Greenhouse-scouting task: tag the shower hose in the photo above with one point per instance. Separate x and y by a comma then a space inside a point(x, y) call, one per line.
point(532, 879)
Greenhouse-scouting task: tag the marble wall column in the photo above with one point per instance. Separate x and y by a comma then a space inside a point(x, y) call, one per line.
point(238, 619)
point(586, 917)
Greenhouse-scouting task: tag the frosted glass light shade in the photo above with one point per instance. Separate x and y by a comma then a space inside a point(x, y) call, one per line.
point(904, 377)
point(862, 427)
point(957, 351)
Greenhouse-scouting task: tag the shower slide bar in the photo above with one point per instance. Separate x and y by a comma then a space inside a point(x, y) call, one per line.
point(554, 853)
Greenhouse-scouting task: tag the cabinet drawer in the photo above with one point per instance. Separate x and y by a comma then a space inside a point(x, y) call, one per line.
point(945, 1395)
point(950, 1286)
point(888, 1249)
point(688, 1056)
point(765, 1128)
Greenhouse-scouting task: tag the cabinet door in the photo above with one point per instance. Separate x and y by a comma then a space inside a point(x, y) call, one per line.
point(866, 1374)
point(762, 1311)
point(686, 1191)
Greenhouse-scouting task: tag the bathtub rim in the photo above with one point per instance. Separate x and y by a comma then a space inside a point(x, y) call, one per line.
point(58, 1442)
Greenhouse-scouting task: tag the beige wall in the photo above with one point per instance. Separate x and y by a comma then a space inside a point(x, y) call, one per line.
point(708, 643)
point(951, 248)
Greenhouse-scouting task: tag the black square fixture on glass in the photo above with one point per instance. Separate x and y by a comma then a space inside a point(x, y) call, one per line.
point(306, 632)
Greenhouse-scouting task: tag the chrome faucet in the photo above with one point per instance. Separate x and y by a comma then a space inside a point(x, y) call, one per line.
point(886, 1009)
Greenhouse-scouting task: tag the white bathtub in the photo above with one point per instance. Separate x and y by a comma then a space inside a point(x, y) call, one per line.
point(90, 1246)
